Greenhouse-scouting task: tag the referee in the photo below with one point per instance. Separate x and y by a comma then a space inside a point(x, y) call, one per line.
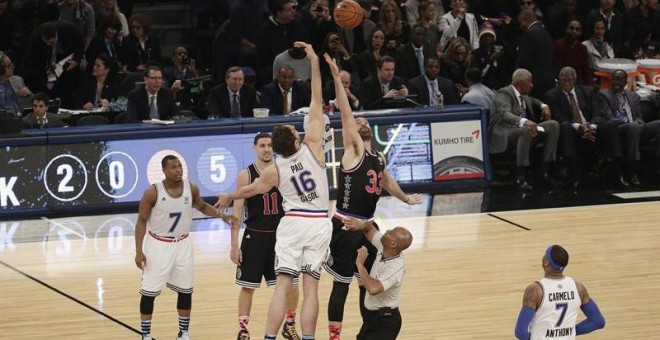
point(382, 319)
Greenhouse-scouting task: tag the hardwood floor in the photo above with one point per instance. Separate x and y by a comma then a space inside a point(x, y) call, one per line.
point(465, 275)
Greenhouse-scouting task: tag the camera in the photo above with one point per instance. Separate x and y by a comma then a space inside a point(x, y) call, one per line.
point(185, 61)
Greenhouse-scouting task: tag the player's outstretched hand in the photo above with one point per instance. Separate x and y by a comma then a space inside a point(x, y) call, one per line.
point(414, 199)
point(230, 219)
point(140, 260)
point(361, 256)
point(308, 49)
point(223, 203)
point(333, 65)
point(355, 224)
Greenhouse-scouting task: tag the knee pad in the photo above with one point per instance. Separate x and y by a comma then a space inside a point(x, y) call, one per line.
point(147, 305)
point(184, 301)
point(337, 301)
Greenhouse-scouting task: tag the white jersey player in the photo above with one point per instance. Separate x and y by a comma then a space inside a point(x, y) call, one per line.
point(163, 248)
point(550, 305)
point(304, 233)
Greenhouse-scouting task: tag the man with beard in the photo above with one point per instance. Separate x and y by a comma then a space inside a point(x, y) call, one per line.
point(362, 177)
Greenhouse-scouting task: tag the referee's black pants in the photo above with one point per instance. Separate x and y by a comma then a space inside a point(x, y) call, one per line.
point(383, 324)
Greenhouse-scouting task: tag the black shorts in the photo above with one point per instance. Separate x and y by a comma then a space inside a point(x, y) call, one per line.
point(343, 252)
point(258, 248)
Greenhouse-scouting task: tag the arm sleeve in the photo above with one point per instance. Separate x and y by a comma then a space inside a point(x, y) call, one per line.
point(524, 319)
point(594, 320)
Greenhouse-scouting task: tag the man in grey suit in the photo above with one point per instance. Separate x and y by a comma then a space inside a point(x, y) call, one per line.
point(623, 106)
point(522, 121)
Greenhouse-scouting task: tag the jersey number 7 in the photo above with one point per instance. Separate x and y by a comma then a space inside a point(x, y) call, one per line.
point(176, 216)
point(563, 307)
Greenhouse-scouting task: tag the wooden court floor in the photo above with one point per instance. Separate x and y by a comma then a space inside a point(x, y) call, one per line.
point(74, 278)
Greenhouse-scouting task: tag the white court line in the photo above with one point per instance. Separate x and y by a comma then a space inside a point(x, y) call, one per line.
point(641, 194)
point(59, 225)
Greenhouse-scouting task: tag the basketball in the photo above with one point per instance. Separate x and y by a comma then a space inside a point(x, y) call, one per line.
point(348, 14)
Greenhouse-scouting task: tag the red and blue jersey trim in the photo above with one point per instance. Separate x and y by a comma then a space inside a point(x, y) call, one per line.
point(307, 213)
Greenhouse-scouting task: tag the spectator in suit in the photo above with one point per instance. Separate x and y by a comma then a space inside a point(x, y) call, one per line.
point(100, 88)
point(285, 94)
point(377, 89)
point(582, 126)
point(429, 86)
point(516, 120)
point(357, 39)
point(569, 51)
point(40, 117)
point(613, 22)
point(278, 34)
point(367, 60)
point(410, 57)
point(535, 52)
point(140, 47)
point(352, 91)
point(106, 40)
point(478, 93)
point(459, 23)
point(623, 106)
point(232, 99)
point(14, 95)
point(152, 101)
point(51, 43)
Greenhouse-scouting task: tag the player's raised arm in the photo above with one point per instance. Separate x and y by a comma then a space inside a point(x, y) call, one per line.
point(353, 144)
point(314, 133)
point(265, 182)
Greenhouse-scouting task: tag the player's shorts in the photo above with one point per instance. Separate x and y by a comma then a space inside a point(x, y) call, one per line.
point(258, 249)
point(170, 261)
point(343, 252)
point(302, 245)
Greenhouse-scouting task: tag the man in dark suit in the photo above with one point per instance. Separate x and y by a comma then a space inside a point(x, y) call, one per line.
point(520, 121)
point(40, 117)
point(582, 125)
point(623, 106)
point(285, 94)
point(153, 101)
point(411, 56)
point(232, 99)
point(51, 43)
point(535, 52)
point(429, 86)
point(378, 90)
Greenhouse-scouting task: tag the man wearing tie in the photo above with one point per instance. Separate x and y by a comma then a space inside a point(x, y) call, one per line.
point(582, 125)
point(152, 101)
point(520, 121)
point(623, 106)
point(383, 85)
point(232, 99)
point(410, 57)
point(429, 86)
point(40, 117)
point(285, 94)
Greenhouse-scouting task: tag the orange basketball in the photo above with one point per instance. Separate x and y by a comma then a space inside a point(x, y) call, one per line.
point(348, 14)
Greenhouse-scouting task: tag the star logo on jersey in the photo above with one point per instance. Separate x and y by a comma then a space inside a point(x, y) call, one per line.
point(560, 286)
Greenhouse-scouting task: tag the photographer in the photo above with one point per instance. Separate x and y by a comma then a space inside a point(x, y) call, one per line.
point(317, 19)
point(182, 68)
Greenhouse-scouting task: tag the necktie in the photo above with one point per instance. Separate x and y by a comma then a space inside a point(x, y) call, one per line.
point(153, 109)
point(433, 101)
point(420, 60)
point(41, 121)
point(577, 118)
point(523, 108)
point(625, 114)
point(285, 106)
point(235, 108)
point(384, 89)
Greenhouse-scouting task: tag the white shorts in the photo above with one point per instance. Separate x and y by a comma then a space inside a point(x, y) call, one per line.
point(167, 262)
point(302, 245)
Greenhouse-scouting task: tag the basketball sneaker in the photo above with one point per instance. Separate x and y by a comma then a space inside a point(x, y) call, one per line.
point(243, 334)
point(183, 335)
point(289, 331)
